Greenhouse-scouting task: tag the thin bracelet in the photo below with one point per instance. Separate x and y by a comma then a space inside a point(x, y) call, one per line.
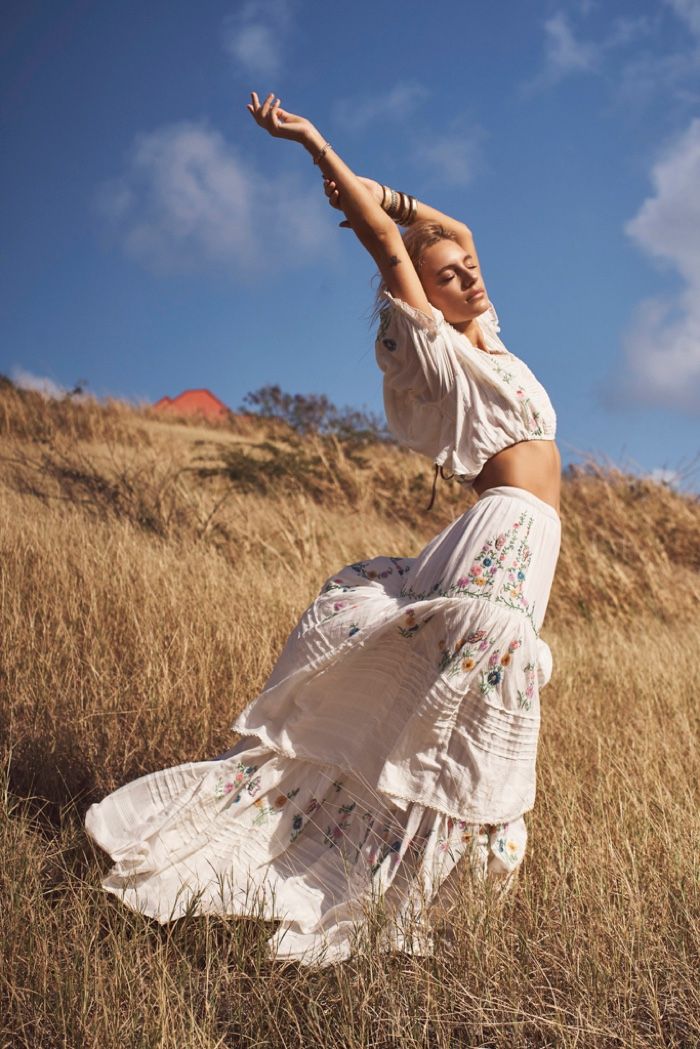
point(323, 152)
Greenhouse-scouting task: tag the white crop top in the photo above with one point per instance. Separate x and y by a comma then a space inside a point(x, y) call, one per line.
point(448, 399)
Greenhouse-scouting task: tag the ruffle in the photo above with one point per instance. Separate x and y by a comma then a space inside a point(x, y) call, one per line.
point(254, 834)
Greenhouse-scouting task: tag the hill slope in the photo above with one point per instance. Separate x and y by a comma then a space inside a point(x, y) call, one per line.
point(150, 573)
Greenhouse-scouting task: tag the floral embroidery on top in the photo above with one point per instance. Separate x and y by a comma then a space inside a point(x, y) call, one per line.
point(534, 421)
point(384, 320)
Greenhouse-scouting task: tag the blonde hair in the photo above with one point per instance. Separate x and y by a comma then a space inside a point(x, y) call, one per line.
point(417, 239)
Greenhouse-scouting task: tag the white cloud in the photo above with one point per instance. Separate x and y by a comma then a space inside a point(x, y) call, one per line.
point(565, 54)
point(254, 36)
point(453, 157)
point(689, 12)
point(26, 380)
point(662, 345)
point(398, 103)
point(650, 75)
point(187, 199)
point(624, 31)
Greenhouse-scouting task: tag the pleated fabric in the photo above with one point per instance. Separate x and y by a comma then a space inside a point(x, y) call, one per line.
point(396, 736)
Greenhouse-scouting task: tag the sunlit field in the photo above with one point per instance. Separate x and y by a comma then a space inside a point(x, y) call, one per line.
point(151, 571)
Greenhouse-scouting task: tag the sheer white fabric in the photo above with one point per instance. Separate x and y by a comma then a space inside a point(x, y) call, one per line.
point(451, 401)
point(397, 735)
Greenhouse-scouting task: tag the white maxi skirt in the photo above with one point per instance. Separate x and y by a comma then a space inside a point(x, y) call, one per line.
point(395, 737)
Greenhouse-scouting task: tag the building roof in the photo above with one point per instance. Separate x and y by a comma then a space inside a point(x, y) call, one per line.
point(195, 401)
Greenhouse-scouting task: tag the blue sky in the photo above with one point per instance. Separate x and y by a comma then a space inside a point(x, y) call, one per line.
point(155, 239)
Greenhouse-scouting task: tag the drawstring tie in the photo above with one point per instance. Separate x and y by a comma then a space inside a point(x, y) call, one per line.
point(441, 471)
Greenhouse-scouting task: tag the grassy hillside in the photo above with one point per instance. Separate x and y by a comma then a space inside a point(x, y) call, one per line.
point(151, 571)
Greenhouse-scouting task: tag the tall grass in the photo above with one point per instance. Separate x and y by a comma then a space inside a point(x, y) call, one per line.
point(145, 592)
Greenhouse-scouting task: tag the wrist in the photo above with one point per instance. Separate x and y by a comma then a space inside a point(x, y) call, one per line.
point(313, 141)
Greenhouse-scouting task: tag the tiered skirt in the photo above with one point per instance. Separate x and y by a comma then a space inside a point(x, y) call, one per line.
point(394, 742)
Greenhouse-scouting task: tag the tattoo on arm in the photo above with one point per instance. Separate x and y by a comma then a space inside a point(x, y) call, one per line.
point(393, 261)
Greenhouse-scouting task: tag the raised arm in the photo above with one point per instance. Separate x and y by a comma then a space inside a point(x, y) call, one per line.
point(372, 226)
point(424, 213)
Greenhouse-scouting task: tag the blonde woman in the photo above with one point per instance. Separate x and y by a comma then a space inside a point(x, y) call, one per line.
point(395, 739)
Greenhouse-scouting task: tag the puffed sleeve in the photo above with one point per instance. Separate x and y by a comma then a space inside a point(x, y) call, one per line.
point(414, 350)
point(415, 354)
point(442, 397)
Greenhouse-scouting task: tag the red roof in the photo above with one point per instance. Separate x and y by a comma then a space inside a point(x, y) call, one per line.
point(194, 402)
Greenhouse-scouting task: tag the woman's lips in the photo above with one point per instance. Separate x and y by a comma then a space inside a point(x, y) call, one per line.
point(475, 295)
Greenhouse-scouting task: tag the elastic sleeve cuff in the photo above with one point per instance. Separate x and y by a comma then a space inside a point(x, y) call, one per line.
point(420, 320)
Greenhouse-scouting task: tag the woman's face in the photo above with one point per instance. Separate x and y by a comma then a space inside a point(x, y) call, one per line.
point(453, 282)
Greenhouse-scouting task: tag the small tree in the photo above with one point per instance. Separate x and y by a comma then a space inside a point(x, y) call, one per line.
point(314, 413)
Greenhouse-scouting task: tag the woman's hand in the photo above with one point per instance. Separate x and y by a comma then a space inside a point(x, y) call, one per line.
point(333, 193)
point(279, 122)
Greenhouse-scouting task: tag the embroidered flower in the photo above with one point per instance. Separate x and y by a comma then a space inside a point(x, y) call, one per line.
point(491, 678)
point(478, 635)
point(240, 780)
point(497, 573)
point(527, 695)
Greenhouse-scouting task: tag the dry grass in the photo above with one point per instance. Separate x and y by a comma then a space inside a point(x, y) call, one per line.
point(145, 592)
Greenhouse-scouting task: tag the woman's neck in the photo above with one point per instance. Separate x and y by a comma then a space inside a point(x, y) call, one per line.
point(473, 332)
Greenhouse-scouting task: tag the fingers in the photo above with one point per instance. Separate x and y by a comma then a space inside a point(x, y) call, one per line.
point(332, 192)
point(269, 114)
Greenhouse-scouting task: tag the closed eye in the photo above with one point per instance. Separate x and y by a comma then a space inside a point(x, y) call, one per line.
point(448, 277)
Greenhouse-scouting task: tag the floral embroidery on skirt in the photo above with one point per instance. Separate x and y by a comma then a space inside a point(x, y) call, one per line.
point(395, 739)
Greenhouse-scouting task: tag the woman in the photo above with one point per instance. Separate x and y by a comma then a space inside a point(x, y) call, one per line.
point(397, 733)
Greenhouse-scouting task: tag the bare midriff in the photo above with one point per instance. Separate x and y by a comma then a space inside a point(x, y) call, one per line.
point(532, 465)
